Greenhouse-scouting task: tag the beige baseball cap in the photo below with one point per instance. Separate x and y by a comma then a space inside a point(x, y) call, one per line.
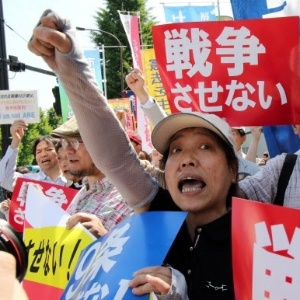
point(69, 129)
point(165, 129)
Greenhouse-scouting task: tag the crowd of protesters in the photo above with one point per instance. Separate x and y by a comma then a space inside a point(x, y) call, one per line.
point(197, 162)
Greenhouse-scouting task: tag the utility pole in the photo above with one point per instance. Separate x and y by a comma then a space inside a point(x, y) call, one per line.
point(15, 66)
point(3, 80)
point(120, 46)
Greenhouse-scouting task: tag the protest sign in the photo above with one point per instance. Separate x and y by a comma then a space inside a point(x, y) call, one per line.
point(266, 244)
point(189, 13)
point(60, 195)
point(153, 81)
point(53, 250)
point(126, 105)
point(281, 138)
point(16, 105)
point(106, 266)
point(232, 69)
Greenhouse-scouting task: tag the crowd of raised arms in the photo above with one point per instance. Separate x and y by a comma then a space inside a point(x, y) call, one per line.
point(197, 166)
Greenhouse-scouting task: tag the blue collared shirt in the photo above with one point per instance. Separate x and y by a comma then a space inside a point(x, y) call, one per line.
point(8, 176)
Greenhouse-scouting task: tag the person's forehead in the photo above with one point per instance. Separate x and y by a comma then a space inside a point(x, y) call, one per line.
point(235, 130)
point(70, 139)
point(196, 130)
point(44, 144)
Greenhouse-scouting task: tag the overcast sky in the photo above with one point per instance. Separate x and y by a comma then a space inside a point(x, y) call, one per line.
point(22, 16)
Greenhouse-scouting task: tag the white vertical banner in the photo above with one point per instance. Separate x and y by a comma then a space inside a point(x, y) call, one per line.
point(131, 26)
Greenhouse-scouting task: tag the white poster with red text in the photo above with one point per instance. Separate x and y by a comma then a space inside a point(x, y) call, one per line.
point(61, 195)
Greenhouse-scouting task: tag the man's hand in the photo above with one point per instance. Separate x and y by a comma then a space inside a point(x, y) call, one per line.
point(89, 221)
point(10, 288)
point(151, 279)
point(136, 82)
point(256, 132)
point(46, 37)
point(17, 131)
point(121, 115)
point(5, 204)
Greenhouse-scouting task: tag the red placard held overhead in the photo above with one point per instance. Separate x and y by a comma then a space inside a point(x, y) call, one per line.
point(242, 70)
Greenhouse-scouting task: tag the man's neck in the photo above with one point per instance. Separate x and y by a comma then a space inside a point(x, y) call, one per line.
point(94, 178)
point(53, 173)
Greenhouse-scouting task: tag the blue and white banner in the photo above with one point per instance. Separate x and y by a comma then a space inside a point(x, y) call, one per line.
point(106, 266)
point(189, 13)
point(257, 9)
point(93, 58)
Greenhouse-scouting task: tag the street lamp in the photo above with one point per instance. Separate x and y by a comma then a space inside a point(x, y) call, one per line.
point(4, 84)
point(120, 46)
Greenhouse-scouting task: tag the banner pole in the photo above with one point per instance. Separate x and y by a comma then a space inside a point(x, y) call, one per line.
point(219, 13)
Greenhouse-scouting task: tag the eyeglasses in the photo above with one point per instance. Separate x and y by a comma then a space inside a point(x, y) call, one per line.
point(73, 142)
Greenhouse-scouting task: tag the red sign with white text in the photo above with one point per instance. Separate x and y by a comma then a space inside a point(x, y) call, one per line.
point(244, 71)
point(265, 250)
point(59, 194)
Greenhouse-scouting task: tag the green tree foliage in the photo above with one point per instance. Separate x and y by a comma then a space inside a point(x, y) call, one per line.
point(4, 131)
point(53, 119)
point(48, 121)
point(108, 19)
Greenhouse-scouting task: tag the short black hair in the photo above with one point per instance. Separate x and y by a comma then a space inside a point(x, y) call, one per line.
point(47, 138)
point(241, 131)
point(58, 145)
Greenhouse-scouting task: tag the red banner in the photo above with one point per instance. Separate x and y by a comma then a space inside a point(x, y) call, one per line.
point(59, 194)
point(135, 42)
point(265, 246)
point(232, 68)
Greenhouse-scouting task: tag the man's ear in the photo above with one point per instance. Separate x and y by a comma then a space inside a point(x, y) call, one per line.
point(295, 129)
